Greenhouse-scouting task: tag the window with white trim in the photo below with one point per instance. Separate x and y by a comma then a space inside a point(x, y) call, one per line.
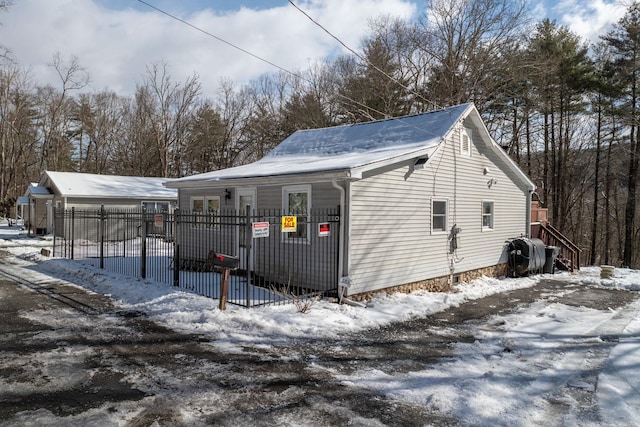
point(465, 141)
point(205, 210)
point(156, 206)
point(296, 200)
point(438, 215)
point(487, 215)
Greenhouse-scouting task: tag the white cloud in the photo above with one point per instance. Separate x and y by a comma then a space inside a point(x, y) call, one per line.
point(115, 46)
point(589, 19)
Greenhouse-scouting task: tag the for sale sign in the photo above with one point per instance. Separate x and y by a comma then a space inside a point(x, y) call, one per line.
point(289, 224)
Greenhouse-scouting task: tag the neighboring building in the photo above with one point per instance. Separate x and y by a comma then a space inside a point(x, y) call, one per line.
point(33, 208)
point(66, 190)
point(425, 199)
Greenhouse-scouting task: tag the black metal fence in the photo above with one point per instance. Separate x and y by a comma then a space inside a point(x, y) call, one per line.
point(281, 257)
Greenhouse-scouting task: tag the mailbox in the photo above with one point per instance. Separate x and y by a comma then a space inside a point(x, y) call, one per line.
point(223, 261)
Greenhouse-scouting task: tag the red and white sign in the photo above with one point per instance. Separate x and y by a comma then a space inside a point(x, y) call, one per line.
point(260, 229)
point(324, 229)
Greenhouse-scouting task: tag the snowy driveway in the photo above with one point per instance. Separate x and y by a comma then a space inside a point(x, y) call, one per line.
point(555, 352)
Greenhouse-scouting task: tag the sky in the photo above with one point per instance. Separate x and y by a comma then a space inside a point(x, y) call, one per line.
point(551, 344)
point(115, 41)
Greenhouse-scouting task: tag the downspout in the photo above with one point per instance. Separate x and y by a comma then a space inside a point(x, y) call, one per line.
point(528, 213)
point(343, 209)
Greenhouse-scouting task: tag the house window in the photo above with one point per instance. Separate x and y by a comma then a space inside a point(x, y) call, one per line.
point(156, 206)
point(296, 200)
point(439, 215)
point(465, 142)
point(487, 215)
point(205, 210)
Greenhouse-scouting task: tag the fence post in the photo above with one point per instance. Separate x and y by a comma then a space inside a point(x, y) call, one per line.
point(339, 253)
point(248, 239)
point(73, 227)
point(143, 244)
point(102, 220)
point(55, 220)
point(176, 249)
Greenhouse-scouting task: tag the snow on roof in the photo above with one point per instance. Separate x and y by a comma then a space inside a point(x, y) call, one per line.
point(38, 190)
point(72, 184)
point(346, 147)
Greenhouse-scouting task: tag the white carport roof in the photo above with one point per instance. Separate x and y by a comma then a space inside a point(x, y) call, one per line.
point(72, 184)
point(345, 150)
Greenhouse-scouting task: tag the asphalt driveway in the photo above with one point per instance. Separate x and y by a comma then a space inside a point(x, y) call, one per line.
point(91, 364)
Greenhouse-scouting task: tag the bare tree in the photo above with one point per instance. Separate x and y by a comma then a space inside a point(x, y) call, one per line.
point(235, 108)
point(55, 118)
point(172, 115)
point(18, 153)
point(262, 128)
point(100, 118)
point(136, 153)
point(462, 41)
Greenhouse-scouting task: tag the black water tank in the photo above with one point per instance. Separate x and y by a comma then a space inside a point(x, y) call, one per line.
point(526, 255)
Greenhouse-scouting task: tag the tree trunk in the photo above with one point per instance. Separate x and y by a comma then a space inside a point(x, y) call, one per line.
point(596, 184)
point(630, 208)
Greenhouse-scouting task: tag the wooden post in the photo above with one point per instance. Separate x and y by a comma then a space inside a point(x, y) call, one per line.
point(224, 289)
point(225, 263)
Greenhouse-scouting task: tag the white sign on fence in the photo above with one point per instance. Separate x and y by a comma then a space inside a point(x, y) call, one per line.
point(260, 229)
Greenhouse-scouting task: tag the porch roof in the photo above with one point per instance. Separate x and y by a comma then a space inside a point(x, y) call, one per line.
point(38, 192)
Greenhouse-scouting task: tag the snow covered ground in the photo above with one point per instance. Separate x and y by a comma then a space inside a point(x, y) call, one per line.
point(483, 384)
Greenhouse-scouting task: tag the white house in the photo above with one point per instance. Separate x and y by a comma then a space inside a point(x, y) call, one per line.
point(424, 199)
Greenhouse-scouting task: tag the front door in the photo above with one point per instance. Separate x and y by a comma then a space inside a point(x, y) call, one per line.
point(245, 197)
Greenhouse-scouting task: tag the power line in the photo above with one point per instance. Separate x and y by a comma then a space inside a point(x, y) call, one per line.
point(220, 39)
point(362, 58)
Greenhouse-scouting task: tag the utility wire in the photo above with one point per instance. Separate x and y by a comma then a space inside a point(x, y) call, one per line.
point(362, 58)
point(222, 40)
point(298, 76)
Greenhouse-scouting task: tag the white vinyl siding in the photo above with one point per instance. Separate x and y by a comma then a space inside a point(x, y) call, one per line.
point(391, 219)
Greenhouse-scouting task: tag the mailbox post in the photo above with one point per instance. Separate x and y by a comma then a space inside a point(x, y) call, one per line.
point(226, 263)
